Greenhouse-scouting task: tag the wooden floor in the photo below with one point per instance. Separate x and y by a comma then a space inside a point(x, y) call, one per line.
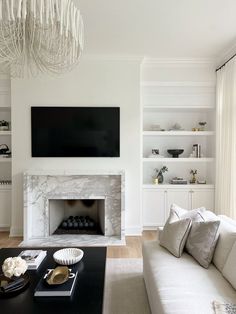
point(133, 248)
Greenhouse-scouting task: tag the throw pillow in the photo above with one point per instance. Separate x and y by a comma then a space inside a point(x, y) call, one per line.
point(202, 240)
point(209, 216)
point(229, 267)
point(178, 213)
point(174, 236)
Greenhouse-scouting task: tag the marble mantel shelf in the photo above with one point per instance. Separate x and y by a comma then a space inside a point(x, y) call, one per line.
point(73, 172)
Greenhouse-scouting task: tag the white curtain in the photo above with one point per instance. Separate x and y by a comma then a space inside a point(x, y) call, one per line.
point(226, 140)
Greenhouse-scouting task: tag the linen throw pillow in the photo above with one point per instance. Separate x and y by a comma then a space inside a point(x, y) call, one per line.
point(202, 240)
point(177, 213)
point(209, 216)
point(174, 236)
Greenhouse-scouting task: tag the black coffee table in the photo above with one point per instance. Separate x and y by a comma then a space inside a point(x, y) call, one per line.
point(86, 299)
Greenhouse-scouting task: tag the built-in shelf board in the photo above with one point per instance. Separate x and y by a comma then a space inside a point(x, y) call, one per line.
point(178, 133)
point(5, 187)
point(5, 132)
point(5, 159)
point(178, 108)
point(178, 186)
point(178, 160)
point(6, 108)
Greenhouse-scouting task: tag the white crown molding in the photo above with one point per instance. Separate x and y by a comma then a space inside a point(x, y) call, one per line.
point(179, 62)
point(118, 58)
point(177, 84)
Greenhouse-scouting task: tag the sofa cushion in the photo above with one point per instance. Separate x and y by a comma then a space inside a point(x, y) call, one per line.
point(178, 213)
point(227, 238)
point(202, 240)
point(181, 285)
point(227, 219)
point(174, 235)
point(229, 268)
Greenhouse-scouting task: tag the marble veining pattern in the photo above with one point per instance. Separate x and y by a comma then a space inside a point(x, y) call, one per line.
point(74, 241)
point(41, 186)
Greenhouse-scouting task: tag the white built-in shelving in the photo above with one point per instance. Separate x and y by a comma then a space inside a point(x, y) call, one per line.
point(178, 160)
point(4, 133)
point(5, 163)
point(5, 159)
point(178, 133)
point(187, 103)
point(178, 186)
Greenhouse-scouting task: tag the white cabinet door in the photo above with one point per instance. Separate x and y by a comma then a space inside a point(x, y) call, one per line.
point(5, 208)
point(203, 198)
point(153, 207)
point(181, 198)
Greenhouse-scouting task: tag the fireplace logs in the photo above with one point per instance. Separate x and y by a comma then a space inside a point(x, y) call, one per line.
point(78, 225)
point(78, 222)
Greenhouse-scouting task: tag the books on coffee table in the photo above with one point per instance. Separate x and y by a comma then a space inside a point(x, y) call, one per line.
point(33, 258)
point(43, 289)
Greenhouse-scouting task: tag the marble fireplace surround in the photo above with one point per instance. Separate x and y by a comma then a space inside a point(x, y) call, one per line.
point(42, 186)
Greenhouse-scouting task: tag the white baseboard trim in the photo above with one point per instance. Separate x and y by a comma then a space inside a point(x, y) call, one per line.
point(4, 228)
point(16, 232)
point(146, 228)
point(133, 231)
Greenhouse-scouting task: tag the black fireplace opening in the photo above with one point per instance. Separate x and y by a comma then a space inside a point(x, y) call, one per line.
point(77, 216)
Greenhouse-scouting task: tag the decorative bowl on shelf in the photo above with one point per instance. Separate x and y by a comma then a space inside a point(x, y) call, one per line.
point(68, 256)
point(175, 152)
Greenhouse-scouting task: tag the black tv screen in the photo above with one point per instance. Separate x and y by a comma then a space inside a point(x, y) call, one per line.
point(75, 131)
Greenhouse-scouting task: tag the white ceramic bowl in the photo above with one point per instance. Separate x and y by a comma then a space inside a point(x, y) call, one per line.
point(68, 256)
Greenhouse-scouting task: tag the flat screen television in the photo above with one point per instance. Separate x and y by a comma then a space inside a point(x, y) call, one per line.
point(75, 131)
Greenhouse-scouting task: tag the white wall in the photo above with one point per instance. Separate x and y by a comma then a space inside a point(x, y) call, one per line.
point(92, 83)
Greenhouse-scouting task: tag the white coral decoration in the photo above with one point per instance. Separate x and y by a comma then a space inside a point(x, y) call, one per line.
point(14, 266)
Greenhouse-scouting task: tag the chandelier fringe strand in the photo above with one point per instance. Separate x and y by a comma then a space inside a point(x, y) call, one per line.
point(42, 35)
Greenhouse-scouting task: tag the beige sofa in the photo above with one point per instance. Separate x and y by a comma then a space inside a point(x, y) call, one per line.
point(181, 285)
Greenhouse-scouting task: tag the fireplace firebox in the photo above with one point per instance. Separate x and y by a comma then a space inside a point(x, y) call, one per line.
point(85, 216)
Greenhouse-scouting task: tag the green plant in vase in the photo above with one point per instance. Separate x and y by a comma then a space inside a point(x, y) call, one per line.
point(193, 172)
point(158, 175)
point(202, 125)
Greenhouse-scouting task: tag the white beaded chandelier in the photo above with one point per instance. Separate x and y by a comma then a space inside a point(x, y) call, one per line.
point(39, 36)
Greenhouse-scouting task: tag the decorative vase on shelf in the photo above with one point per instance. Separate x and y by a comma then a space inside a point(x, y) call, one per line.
point(160, 178)
point(156, 181)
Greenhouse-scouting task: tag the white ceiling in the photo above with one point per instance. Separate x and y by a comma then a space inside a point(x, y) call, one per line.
point(159, 28)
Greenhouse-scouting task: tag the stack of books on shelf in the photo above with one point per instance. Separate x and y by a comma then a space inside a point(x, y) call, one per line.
point(33, 258)
point(178, 180)
point(197, 151)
